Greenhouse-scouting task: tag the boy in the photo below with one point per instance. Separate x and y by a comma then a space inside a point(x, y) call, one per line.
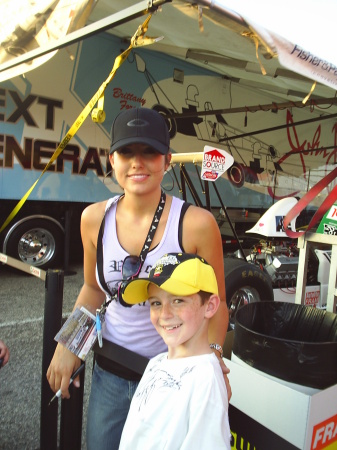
point(181, 401)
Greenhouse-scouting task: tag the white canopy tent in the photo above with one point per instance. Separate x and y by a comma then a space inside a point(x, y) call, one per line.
point(244, 46)
point(221, 35)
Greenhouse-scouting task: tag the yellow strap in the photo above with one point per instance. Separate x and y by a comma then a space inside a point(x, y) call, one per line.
point(136, 41)
point(304, 101)
point(252, 35)
point(98, 114)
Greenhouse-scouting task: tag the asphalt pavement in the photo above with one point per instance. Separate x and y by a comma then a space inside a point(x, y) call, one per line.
point(22, 298)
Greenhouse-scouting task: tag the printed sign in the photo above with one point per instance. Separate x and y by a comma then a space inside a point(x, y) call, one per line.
point(312, 298)
point(248, 434)
point(328, 224)
point(35, 271)
point(3, 258)
point(301, 60)
point(324, 435)
point(78, 334)
point(215, 162)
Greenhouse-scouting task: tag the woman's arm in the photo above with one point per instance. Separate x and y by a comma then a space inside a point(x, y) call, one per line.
point(64, 362)
point(201, 235)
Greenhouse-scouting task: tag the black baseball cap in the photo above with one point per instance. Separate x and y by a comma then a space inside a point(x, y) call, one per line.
point(140, 126)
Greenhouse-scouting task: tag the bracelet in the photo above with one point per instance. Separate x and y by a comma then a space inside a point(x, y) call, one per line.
point(218, 348)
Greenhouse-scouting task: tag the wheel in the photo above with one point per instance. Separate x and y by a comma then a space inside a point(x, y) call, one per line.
point(245, 283)
point(171, 123)
point(38, 242)
point(236, 175)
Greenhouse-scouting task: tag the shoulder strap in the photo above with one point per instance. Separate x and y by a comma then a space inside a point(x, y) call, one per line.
point(184, 208)
point(100, 258)
point(100, 250)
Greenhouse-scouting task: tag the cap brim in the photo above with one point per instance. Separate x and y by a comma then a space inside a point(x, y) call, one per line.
point(136, 291)
point(156, 145)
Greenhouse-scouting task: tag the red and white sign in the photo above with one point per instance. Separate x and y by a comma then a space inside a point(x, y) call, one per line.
point(215, 162)
point(332, 214)
point(325, 434)
point(35, 271)
point(3, 258)
point(312, 298)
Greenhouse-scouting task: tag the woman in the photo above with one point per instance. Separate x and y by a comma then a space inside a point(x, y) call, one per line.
point(139, 156)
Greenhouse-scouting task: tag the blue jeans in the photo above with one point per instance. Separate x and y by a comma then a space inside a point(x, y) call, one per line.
point(109, 403)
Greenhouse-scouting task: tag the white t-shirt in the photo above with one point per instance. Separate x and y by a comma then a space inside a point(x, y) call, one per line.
point(180, 404)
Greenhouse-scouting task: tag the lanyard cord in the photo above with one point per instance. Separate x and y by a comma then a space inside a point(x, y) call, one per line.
point(143, 253)
point(153, 227)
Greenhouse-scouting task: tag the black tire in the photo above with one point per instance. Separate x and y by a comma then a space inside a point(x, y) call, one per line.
point(37, 242)
point(171, 123)
point(236, 175)
point(245, 283)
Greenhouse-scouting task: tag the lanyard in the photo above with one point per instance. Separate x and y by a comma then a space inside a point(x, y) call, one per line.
point(147, 244)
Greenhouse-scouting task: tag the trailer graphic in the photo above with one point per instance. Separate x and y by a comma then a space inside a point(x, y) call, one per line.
point(37, 110)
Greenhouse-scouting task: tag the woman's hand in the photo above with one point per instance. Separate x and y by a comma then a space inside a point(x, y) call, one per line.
point(62, 366)
point(225, 372)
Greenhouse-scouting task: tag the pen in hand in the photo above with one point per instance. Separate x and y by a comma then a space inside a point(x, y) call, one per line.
point(74, 375)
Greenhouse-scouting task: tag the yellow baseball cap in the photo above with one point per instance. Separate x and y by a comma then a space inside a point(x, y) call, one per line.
point(177, 273)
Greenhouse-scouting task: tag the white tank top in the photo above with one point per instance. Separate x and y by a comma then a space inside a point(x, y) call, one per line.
point(131, 327)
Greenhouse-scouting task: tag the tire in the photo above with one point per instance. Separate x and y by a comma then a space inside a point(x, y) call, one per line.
point(171, 123)
point(245, 283)
point(37, 242)
point(236, 175)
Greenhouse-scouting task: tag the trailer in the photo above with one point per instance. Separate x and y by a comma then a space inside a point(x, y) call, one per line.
point(280, 149)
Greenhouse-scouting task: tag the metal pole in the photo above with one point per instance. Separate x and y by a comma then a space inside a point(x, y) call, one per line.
point(230, 222)
point(190, 185)
point(67, 226)
point(52, 323)
point(68, 215)
point(71, 418)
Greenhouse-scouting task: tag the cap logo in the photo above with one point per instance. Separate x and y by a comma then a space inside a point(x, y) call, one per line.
point(138, 123)
point(168, 260)
point(158, 270)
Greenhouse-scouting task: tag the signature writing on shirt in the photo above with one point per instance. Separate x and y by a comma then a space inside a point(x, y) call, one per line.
point(159, 379)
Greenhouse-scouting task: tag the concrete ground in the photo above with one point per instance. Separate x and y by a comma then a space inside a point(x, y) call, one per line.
point(22, 299)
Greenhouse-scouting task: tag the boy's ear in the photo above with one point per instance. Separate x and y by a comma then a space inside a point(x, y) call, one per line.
point(212, 306)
